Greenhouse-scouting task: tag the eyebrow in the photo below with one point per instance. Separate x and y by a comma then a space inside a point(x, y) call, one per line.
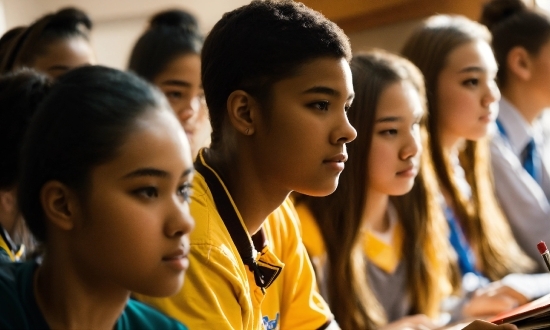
point(388, 119)
point(393, 119)
point(175, 82)
point(325, 90)
point(154, 172)
point(472, 69)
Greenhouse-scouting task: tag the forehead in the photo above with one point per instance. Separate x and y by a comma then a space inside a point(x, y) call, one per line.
point(400, 98)
point(472, 54)
point(184, 67)
point(157, 140)
point(328, 75)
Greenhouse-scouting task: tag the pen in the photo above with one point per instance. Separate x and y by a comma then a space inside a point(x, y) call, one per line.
point(544, 253)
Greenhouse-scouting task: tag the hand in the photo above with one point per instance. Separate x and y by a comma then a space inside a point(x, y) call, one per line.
point(493, 299)
point(413, 322)
point(482, 325)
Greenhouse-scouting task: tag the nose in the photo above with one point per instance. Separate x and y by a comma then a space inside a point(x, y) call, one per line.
point(491, 95)
point(179, 221)
point(189, 109)
point(344, 132)
point(412, 145)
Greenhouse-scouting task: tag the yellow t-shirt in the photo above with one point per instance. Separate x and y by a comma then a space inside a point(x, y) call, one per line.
point(219, 291)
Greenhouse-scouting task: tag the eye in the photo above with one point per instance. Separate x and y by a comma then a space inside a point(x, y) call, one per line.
point(347, 107)
point(185, 191)
point(321, 105)
point(473, 82)
point(173, 95)
point(147, 192)
point(390, 132)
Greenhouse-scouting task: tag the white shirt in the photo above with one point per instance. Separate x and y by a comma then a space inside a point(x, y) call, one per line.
point(525, 202)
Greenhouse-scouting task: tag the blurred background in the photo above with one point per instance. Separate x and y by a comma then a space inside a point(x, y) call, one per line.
point(117, 23)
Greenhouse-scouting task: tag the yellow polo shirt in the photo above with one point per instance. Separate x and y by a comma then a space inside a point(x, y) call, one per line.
point(219, 291)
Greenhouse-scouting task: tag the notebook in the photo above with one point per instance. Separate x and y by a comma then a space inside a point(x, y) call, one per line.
point(533, 315)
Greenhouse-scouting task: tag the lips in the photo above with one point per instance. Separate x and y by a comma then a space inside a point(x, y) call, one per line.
point(340, 158)
point(177, 260)
point(180, 253)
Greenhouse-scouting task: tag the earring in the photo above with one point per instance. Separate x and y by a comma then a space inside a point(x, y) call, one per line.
point(247, 130)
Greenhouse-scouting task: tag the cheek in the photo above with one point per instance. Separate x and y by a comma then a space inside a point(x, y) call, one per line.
point(380, 163)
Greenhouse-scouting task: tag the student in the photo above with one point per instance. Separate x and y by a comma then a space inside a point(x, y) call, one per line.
point(19, 95)
point(168, 55)
point(383, 229)
point(53, 44)
point(521, 42)
point(105, 184)
point(459, 68)
point(277, 84)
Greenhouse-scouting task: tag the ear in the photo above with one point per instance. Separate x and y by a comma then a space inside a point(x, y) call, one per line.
point(7, 201)
point(519, 63)
point(60, 204)
point(242, 110)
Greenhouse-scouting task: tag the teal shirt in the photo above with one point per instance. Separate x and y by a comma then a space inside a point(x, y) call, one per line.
point(19, 310)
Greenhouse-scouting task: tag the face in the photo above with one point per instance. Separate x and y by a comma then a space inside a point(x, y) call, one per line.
point(181, 83)
point(467, 93)
point(64, 55)
point(394, 156)
point(300, 142)
point(540, 76)
point(135, 221)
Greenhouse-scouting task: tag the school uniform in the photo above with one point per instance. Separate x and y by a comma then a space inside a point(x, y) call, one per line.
point(8, 250)
point(19, 309)
point(529, 285)
point(386, 269)
point(240, 282)
point(525, 199)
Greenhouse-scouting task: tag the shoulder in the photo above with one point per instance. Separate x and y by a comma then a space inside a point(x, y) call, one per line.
point(16, 290)
point(311, 233)
point(137, 315)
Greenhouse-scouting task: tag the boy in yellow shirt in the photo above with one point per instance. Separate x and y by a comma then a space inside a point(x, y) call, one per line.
point(277, 85)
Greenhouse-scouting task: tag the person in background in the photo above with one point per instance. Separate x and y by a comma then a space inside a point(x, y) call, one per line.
point(459, 68)
point(20, 93)
point(380, 240)
point(54, 44)
point(520, 147)
point(168, 55)
point(104, 185)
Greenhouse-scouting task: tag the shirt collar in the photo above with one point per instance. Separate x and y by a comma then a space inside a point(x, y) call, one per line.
point(518, 132)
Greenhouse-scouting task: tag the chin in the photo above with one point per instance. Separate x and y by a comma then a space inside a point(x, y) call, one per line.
point(318, 190)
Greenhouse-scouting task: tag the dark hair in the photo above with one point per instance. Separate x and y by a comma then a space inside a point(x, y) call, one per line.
point(7, 39)
point(170, 34)
point(513, 24)
point(81, 123)
point(20, 93)
point(35, 39)
point(256, 45)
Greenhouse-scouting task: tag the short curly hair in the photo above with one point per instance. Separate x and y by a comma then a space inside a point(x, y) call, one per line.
point(261, 43)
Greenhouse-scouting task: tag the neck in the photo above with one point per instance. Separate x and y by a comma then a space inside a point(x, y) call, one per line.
point(529, 106)
point(70, 301)
point(450, 142)
point(254, 196)
point(374, 214)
